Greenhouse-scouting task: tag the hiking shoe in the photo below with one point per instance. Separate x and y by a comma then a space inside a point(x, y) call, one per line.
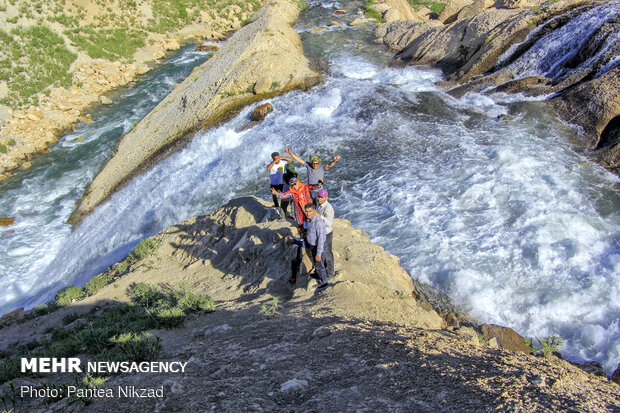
point(315, 276)
point(321, 287)
point(292, 280)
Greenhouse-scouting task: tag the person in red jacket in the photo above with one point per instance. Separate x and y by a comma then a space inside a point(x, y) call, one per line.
point(301, 196)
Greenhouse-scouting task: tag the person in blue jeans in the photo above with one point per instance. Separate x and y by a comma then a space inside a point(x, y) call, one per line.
point(316, 240)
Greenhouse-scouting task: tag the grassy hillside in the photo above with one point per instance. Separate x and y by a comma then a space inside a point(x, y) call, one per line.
point(41, 39)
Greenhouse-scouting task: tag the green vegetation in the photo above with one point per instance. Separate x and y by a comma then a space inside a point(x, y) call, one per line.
point(270, 310)
point(2, 148)
point(536, 9)
point(547, 345)
point(372, 13)
point(435, 6)
point(110, 44)
point(35, 59)
point(117, 332)
point(68, 295)
point(11, 400)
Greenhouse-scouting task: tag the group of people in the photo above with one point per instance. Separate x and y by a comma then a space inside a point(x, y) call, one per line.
point(313, 212)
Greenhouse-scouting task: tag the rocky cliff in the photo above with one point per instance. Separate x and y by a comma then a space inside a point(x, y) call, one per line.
point(368, 342)
point(566, 49)
point(263, 59)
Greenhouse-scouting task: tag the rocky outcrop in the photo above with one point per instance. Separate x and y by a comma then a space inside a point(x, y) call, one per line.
point(600, 116)
point(267, 51)
point(467, 41)
point(363, 343)
point(491, 48)
point(398, 35)
point(506, 338)
point(450, 12)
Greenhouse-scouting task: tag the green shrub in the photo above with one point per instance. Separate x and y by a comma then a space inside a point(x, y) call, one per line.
point(372, 13)
point(435, 6)
point(97, 283)
point(116, 332)
point(69, 294)
point(191, 301)
point(143, 294)
point(169, 317)
point(144, 249)
point(137, 346)
point(9, 369)
point(2, 149)
point(11, 142)
point(549, 345)
point(270, 310)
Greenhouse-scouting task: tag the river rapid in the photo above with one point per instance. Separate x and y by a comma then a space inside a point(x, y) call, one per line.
point(501, 213)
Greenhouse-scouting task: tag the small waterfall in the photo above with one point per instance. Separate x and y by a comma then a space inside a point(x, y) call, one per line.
point(553, 55)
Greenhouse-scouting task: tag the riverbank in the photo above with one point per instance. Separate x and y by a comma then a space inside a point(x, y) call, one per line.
point(270, 345)
point(46, 85)
point(262, 60)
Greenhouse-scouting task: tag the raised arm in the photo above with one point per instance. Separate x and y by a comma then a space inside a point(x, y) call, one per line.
point(278, 159)
point(332, 163)
point(297, 158)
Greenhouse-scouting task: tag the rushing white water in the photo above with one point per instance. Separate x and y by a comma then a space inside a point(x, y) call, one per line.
point(550, 55)
point(502, 215)
point(42, 198)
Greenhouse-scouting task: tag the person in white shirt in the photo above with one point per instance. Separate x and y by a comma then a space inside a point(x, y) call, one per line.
point(276, 172)
point(326, 212)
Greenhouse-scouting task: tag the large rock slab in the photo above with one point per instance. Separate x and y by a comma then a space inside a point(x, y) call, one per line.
point(398, 35)
point(599, 117)
point(452, 46)
point(268, 47)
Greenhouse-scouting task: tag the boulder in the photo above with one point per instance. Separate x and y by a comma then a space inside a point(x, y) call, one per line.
point(208, 47)
point(11, 316)
point(5, 222)
point(260, 112)
point(361, 20)
point(615, 377)
point(592, 367)
point(450, 12)
point(506, 338)
point(399, 10)
point(213, 92)
point(473, 9)
point(398, 35)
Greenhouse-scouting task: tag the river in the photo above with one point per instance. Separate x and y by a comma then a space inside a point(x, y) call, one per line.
point(501, 213)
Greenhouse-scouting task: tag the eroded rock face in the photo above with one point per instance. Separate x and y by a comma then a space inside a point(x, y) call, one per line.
point(266, 47)
point(400, 34)
point(450, 12)
point(603, 105)
point(452, 46)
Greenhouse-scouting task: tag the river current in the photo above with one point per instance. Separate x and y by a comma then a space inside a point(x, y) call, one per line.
point(501, 213)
